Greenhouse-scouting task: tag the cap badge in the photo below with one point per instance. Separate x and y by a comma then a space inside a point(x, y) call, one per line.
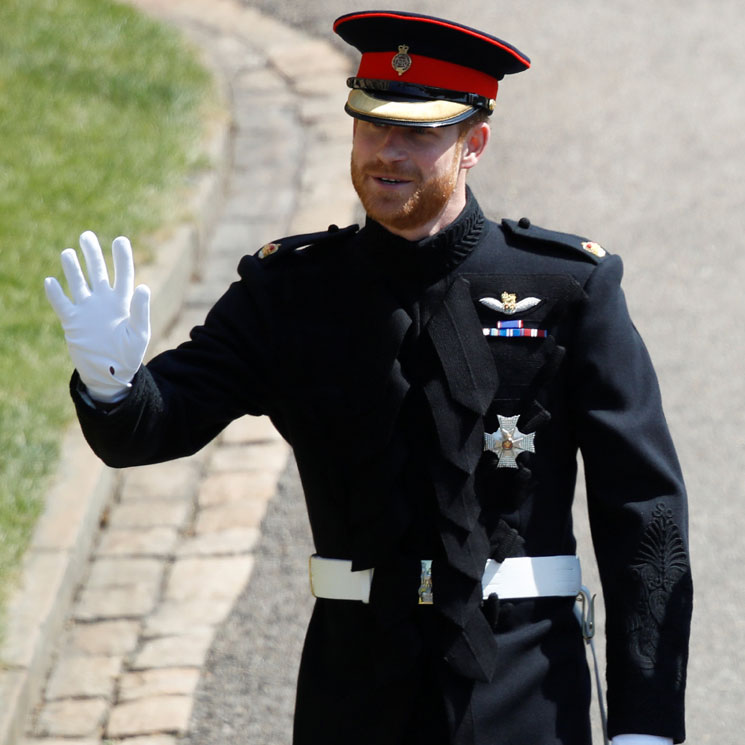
point(509, 303)
point(508, 441)
point(268, 250)
point(594, 248)
point(401, 62)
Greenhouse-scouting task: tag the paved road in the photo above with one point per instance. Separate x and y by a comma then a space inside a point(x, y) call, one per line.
point(629, 128)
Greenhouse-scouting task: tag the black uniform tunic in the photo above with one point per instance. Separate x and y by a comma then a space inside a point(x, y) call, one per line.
point(369, 354)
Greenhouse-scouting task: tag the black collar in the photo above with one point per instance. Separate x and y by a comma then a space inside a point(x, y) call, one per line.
point(429, 258)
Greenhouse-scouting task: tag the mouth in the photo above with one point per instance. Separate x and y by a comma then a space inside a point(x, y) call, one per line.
point(389, 180)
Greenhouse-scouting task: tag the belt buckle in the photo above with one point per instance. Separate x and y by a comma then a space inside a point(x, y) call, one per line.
point(425, 583)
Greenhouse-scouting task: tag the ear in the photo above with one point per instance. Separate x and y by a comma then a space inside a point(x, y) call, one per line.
point(474, 144)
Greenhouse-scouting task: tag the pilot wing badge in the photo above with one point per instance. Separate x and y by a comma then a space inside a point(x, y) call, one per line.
point(509, 303)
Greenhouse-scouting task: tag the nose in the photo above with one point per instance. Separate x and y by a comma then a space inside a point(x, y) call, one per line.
point(391, 149)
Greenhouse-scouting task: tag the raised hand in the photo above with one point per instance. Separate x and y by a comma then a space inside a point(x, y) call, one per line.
point(107, 328)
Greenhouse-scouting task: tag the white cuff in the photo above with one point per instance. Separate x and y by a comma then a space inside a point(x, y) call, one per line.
point(641, 740)
point(93, 400)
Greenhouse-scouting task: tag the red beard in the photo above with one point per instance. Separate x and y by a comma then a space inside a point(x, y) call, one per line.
point(406, 208)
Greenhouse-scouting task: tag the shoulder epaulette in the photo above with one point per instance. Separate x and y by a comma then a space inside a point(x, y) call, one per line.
point(285, 246)
point(523, 228)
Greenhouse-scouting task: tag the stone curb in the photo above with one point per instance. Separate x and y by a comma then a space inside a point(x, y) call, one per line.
point(82, 485)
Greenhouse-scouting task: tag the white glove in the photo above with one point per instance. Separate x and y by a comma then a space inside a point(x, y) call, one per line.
point(641, 740)
point(107, 329)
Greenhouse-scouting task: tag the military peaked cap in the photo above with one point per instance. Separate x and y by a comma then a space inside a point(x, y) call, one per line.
point(418, 70)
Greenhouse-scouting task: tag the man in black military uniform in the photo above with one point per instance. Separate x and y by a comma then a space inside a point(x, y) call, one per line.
point(435, 373)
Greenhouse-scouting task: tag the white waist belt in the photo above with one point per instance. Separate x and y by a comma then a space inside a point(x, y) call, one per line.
point(521, 577)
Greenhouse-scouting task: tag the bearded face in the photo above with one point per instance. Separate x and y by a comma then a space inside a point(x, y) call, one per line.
point(405, 177)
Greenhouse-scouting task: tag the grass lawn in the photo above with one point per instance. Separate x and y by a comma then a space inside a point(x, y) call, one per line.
point(101, 113)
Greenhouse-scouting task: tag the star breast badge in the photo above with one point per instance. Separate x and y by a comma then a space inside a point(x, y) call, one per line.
point(508, 442)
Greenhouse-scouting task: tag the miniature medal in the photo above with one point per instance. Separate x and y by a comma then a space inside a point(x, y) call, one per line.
point(508, 441)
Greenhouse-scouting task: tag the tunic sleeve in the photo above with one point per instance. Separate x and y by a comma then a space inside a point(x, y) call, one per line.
point(638, 514)
point(184, 397)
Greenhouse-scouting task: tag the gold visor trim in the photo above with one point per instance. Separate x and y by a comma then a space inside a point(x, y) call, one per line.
point(360, 102)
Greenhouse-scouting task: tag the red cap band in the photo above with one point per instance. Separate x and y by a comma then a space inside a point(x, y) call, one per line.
point(428, 71)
